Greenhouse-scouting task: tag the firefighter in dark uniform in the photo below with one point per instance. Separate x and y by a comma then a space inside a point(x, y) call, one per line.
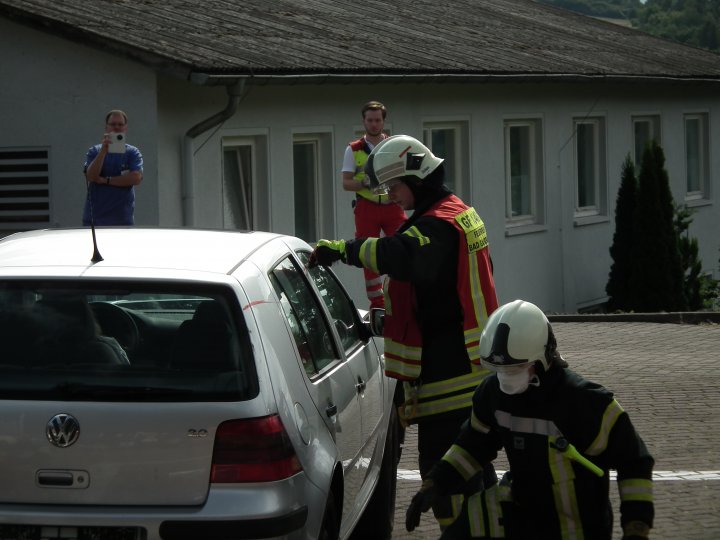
point(439, 294)
point(561, 433)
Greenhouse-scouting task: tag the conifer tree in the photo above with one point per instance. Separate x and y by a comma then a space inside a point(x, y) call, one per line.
point(701, 290)
point(621, 250)
point(657, 278)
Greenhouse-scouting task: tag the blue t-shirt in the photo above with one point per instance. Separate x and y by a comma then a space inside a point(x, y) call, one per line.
point(112, 205)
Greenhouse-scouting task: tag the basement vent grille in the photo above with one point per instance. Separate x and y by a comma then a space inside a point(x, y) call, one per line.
point(24, 188)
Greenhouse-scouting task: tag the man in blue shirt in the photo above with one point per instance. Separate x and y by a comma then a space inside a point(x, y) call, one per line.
point(112, 171)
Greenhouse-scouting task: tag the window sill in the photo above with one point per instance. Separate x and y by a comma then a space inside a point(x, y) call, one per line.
point(589, 220)
point(516, 230)
point(697, 202)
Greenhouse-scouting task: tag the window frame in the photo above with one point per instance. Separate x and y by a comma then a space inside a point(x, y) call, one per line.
point(460, 160)
point(654, 122)
point(599, 169)
point(535, 161)
point(703, 161)
point(323, 182)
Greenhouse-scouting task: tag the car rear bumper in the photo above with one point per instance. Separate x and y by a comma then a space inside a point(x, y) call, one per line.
point(290, 509)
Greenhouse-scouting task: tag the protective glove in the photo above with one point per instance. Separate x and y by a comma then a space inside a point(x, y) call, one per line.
point(327, 252)
point(421, 502)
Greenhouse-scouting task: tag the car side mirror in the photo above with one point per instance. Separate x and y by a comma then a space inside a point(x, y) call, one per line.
point(377, 321)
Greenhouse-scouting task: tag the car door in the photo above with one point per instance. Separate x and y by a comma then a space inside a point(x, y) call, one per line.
point(329, 379)
point(362, 357)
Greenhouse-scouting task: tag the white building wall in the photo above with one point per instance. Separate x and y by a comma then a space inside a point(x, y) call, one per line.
point(58, 92)
point(55, 94)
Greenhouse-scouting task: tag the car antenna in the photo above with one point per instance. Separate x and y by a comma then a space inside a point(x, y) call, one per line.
point(96, 253)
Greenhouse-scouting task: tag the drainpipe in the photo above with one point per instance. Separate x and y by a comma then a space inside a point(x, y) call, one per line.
point(235, 93)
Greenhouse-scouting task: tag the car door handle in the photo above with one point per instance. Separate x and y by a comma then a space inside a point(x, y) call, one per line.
point(331, 410)
point(360, 386)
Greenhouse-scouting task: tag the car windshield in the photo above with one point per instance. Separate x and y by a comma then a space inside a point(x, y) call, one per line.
point(117, 341)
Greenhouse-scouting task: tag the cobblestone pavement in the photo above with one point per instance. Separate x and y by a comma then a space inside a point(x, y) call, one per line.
point(667, 377)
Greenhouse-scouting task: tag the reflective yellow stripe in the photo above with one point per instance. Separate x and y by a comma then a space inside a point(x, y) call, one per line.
point(564, 494)
point(636, 489)
point(488, 501)
point(462, 461)
point(414, 232)
point(477, 425)
point(612, 413)
point(445, 405)
point(399, 369)
point(469, 380)
point(493, 497)
point(400, 350)
point(456, 502)
point(473, 225)
point(476, 515)
point(473, 351)
point(368, 254)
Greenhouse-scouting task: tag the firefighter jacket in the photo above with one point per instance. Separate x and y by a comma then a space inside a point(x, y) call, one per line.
point(553, 494)
point(439, 294)
point(361, 151)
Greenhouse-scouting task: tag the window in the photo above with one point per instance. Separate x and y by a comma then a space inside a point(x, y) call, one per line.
point(524, 186)
point(696, 156)
point(449, 140)
point(74, 340)
point(645, 130)
point(24, 188)
point(305, 317)
point(342, 310)
point(590, 169)
point(238, 187)
point(245, 183)
point(305, 172)
point(313, 190)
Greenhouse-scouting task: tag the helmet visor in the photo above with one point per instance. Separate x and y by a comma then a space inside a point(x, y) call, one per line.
point(385, 187)
point(498, 364)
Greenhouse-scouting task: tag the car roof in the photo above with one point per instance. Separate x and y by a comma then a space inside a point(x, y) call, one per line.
point(215, 251)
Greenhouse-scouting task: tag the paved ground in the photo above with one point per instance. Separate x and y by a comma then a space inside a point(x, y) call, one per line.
point(667, 377)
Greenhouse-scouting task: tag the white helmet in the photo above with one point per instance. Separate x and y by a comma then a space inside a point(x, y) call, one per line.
point(517, 334)
point(398, 156)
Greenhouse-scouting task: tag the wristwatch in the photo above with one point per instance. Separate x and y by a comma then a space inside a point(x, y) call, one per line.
point(107, 180)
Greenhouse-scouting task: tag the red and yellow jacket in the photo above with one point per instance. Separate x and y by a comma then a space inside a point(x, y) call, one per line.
point(439, 296)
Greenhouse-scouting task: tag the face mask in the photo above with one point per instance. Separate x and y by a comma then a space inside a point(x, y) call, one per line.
point(516, 382)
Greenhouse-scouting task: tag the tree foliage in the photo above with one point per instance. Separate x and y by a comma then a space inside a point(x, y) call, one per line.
point(647, 273)
point(621, 251)
point(692, 22)
point(656, 264)
point(701, 290)
point(656, 281)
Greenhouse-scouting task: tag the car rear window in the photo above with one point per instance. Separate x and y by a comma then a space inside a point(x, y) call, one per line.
point(113, 341)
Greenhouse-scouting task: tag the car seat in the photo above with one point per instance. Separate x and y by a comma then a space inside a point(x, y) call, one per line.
point(207, 341)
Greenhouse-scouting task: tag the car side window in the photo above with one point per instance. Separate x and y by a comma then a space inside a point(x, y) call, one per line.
point(307, 323)
point(342, 310)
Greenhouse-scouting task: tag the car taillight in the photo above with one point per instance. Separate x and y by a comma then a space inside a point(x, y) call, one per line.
point(254, 450)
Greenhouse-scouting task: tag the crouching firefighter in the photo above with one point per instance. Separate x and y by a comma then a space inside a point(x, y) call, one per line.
point(439, 294)
point(561, 434)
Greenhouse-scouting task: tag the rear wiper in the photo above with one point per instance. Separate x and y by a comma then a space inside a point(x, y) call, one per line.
point(80, 390)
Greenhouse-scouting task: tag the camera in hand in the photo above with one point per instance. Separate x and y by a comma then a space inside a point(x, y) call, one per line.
point(117, 143)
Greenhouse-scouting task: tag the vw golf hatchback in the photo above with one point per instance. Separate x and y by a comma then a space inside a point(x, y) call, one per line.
point(183, 383)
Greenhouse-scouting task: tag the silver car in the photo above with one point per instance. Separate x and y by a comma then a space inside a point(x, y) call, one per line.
point(166, 384)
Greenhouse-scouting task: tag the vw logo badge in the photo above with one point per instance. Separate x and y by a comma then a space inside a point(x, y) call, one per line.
point(62, 430)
